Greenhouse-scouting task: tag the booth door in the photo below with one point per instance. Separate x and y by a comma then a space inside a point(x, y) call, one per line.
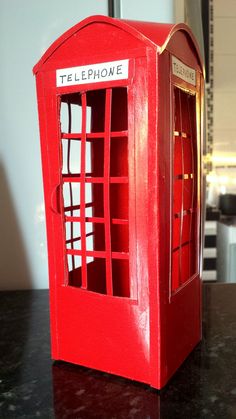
point(95, 190)
point(100, 322)
point(185, 239)
point(183, 313)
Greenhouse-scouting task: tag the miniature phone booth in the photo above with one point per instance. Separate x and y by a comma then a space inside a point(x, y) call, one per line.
point(120, 114)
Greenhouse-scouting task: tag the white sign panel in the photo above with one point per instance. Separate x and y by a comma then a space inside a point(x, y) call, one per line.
point(94, 73)
point(184, 72)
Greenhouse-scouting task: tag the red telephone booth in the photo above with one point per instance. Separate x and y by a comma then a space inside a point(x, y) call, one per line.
point(120, 105)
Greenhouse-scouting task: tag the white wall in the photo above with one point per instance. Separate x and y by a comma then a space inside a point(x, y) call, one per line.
point(27, 28)
point(224, 121)
point(224, 76)
point(149, 10)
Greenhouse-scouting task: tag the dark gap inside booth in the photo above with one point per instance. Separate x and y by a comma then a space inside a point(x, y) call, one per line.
point(100, 207)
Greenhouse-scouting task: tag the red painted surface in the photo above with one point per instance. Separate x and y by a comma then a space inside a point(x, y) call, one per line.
point(122, 184)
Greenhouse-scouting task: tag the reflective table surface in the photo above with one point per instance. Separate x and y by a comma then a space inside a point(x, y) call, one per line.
point(32, 386)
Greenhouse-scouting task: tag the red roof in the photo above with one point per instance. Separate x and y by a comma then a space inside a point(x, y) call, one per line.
point(152, 34)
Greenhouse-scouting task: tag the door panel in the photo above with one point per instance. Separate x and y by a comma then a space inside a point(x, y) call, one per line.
point(185, 183)
point(101, 296)
point(96, 195)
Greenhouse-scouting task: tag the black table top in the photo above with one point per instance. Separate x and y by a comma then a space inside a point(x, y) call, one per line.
point(32, 386)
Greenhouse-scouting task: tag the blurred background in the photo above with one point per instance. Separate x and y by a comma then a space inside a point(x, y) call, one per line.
point(27, 29)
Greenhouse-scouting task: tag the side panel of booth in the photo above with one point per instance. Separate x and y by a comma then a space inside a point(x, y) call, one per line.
point(179, 304)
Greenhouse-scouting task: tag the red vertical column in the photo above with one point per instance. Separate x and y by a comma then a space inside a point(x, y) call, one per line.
point(83, 192)
point(107, 145)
